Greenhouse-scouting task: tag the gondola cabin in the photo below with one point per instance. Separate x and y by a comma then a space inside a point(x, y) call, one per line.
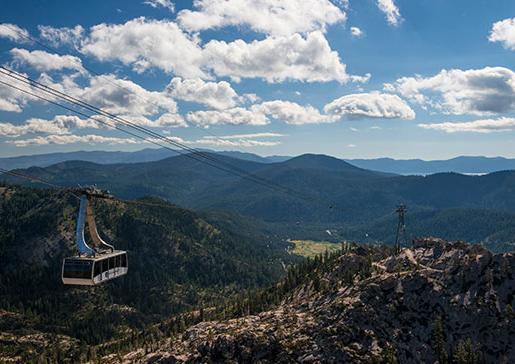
point(89, 271)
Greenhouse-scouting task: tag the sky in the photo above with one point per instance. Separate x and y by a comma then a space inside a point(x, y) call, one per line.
point(430, 79)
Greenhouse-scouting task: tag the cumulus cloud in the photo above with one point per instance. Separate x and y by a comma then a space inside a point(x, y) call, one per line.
point(234, 116)
point(476, 91)
point(391, 11)
point(293, 113)
point(356, 32)
point(241, 140)
point(504, 32)
point(144, 43)
point(167, 4)
point(477, 126)
point(246, 143)
point(169, 119)
point(44, 61)
point(61, 36)
point(217, 95)
point(260, 114)
point(277, 59)
point(370, 105)
point(265, 16)
point(72, 139)
point(248, 136)
point(13, 32)
point(60, 124)
point(123, 98)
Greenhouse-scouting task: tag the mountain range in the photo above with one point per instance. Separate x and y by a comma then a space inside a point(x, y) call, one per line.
point(462, 164)
point(109, 157)
point(308, 195)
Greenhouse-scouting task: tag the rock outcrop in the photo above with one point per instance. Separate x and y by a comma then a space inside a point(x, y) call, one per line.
point(434, 302)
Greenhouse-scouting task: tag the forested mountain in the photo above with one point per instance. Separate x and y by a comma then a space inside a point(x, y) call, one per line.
point(462, 164)
point(178, 261)
point(317, 193)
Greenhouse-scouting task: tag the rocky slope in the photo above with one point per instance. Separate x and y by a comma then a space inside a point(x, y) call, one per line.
point(435, 302)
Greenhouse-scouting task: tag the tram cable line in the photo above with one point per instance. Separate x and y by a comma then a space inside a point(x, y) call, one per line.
point(30, 178)
point(73, 190)
point(192, 153)
point(49, 48)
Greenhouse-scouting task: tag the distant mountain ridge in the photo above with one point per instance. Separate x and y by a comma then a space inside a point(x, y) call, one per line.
point(462, 164)
point(114, 157)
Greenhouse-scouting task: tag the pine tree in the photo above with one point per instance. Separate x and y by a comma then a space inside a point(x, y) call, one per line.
point(438, 341)
point(466, 352)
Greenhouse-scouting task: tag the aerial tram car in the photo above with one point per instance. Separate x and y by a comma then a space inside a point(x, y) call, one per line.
point(99, 263)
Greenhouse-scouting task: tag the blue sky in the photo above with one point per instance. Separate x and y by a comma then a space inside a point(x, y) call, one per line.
point(424, 79)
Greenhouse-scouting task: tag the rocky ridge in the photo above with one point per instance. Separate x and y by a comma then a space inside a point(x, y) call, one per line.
point(435, 302)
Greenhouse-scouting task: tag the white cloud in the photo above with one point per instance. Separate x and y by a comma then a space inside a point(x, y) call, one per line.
point(476, 91)
point(351, 145)
point(61, 36)
point(60, 124)
point(234, 116)
point(356, 32)
point(477, 126)
point(218, 95)
point(72, 139)
point(370, 105)
point(44, 61)
point(246, 143)
point(169, 119)
point(13, 32)
point(248, 136)
point(273, 17)
point(259, 114)
point(167, 4)
point(125, 97)
point(144, 43)
point(241, 140)
point(252, 98)
point(293, 113)
point(277, 59)
point(504, 32)
point(391, 11)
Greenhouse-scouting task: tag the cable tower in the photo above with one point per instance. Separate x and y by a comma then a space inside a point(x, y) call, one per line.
point(401, 238)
